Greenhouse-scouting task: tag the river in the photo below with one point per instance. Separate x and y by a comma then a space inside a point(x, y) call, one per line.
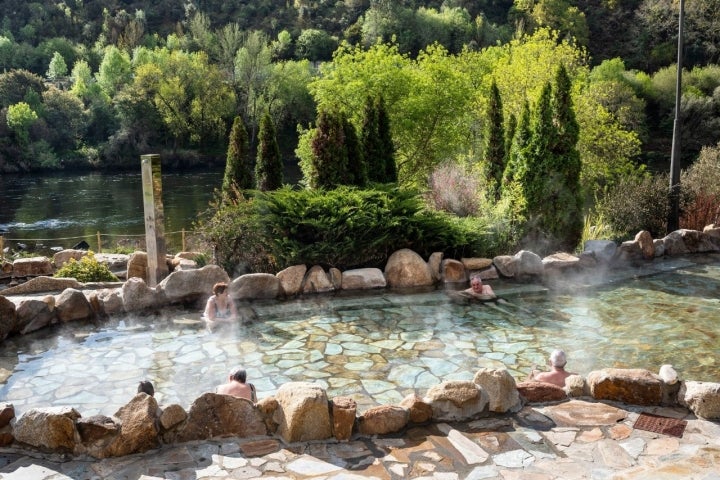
point(63, 209)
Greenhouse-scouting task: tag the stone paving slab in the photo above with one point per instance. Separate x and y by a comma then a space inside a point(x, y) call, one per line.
point(586, 446)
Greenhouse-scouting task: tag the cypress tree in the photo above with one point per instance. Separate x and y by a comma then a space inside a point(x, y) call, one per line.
point(387, 149)
point(238, 171)
point(357, 168)
point(566, 165)
point(516, 167)
point(269, 167)
point(370, 140)
point(329, 152)
point(495, 135)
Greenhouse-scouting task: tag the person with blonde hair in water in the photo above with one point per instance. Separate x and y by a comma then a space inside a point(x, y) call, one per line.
point(557, 373)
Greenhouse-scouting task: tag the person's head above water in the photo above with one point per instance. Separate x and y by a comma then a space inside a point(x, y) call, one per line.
point(558, 359)
point(238, 374)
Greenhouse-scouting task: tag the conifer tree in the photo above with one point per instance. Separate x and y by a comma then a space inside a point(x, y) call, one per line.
point(370, 140)
point(269, 167)
point(551, 181)
point(357, 168)
point(329, 157)
point(495, 137)
point(238, 171)
point(387, 149)
point(516, 165)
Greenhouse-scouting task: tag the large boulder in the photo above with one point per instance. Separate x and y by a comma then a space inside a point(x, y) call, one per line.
point(507, 265)
point(343, 417)
point(51, 428)
point(291, 279)
point(500, 387)
point(302, 412)
point(43, 285)
point(540, 392)
point(137, 266)
point(317, 281)
point(382, 420)
point(476, 263)
point(363, 279)
point(253, 286)
point(189, 285)
point(453, 271)
point(171, 416)
point(213, 415)
point(117, 263)
point(703, 398)
point(406, 268)
point(628, 251)
point(8, 317)
point(137, 296)
point(633, 386)
point(419, 411)
point(559, 262)
point(138, 421)
point(64, 256)
point(7, 413)
point(604, 250)
point(32, 267)
point(528, 263)
point(72, 305)
point(97, 429)
point(434, 263)
point(34, 314)
point(456, 400)
point(646, 243)
point(109, 301)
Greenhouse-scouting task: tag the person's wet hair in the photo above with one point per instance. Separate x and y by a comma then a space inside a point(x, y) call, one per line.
point(146, 387)
point(219, 288)
point(239, 375)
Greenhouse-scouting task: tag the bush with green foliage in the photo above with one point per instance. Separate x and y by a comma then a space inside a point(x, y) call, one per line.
point(636, 203)
point(88, 269)
point(344, 228)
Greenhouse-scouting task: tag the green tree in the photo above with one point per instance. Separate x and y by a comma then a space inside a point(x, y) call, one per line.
point(238, 171)
point(15, 86)
point(315, 45)
point(495, 137)
point(269, 166)
point(57, 68)
point(387, 148)
point(115, 71)
point(19, 118)
point(329, 154)
point(253, 64)
point(370, 139)
point(66, 118)
point(357, 168)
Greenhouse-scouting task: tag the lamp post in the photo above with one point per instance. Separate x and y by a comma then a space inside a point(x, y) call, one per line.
point(673, 221)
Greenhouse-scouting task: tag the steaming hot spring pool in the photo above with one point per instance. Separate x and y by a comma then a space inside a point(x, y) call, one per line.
point(377, 347)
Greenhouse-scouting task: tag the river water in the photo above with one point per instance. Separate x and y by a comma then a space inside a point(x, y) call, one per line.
point(60, 210)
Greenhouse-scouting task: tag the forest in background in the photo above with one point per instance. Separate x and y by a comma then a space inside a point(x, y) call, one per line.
point(497, 110)
point(82, 68)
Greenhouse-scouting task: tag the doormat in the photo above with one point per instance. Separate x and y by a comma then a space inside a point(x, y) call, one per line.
point(657, 424)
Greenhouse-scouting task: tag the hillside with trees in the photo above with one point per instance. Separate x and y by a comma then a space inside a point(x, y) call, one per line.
point(523, 106)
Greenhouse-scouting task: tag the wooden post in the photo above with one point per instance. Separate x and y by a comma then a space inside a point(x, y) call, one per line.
point(2, 247)
point(99, 250)
point(183, 241)
point(154, 218)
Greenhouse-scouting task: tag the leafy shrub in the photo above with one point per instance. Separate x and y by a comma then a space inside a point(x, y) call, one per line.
point(635, 204)
point(345, 228)
point(88, 269)
point(701, 199)
point(453, 189)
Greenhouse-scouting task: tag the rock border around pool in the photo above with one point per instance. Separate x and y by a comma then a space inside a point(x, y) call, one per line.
point(302, 412)
point(33, 304)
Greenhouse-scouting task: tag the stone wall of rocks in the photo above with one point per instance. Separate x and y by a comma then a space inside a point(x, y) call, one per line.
point(34, 304)
point(302, 411)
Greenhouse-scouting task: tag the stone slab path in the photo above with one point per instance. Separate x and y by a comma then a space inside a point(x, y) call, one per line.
point(571, 440)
